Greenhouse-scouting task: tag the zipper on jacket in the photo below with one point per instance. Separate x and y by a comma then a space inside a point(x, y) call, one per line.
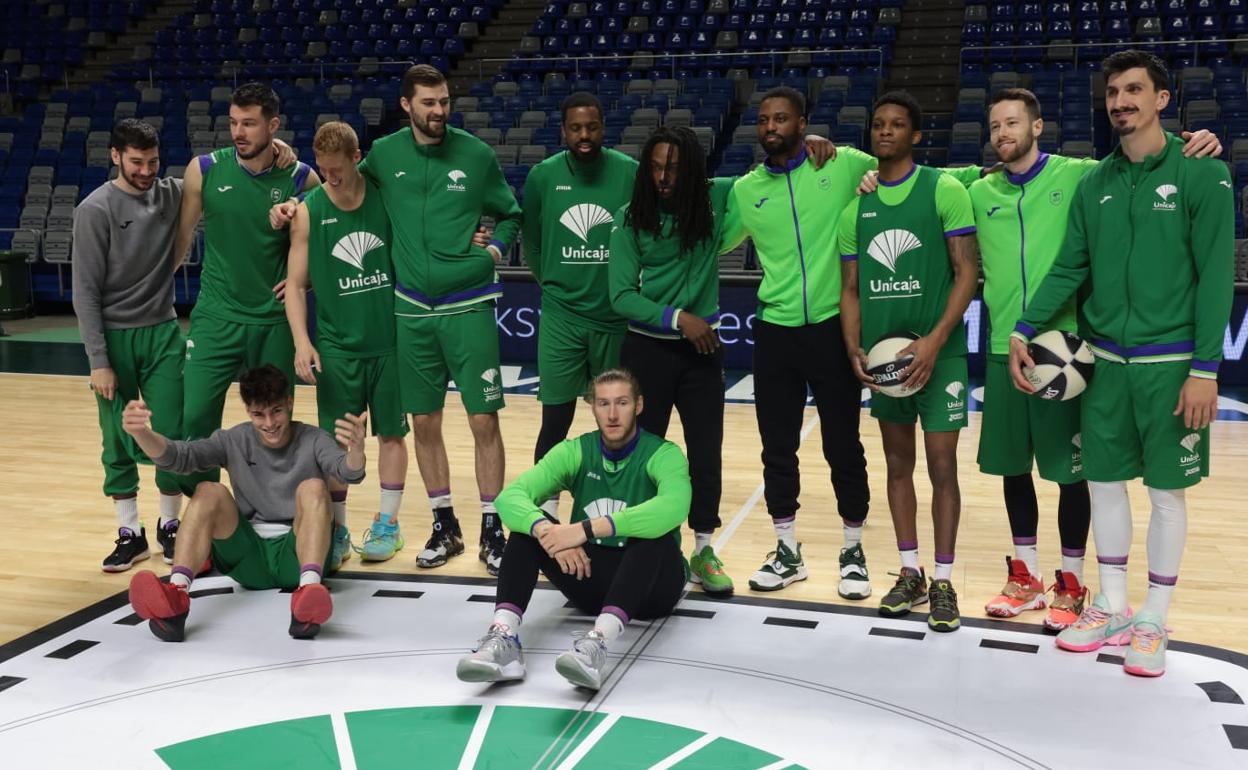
point(1126, 317)
point(801, 253)
point(1022, 242)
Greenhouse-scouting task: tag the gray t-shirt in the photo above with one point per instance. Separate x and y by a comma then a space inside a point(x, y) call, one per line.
point(264, 480)
point(123, 261)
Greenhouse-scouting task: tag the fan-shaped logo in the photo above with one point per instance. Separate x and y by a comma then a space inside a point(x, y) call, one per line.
point(604, 506)
point(954, 389)
point(1077, 440)
point(352, 248)
point(456, 178)
point(583, 217)
point(1189, 442)
point(490, 375)
point(1165, 192)
point(887, 247)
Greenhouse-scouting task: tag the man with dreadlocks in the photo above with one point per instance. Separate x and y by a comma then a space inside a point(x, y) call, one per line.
point(672, 231)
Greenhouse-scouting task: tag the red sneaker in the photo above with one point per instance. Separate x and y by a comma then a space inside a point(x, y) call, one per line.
point(310, 607)
point(1023, 591)
point(1068, 600)
point(163, 605)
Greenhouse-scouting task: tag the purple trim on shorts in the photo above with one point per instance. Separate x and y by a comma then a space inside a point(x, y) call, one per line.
point(127, 496)
point(1025, 540)
point(183, 571)
point(611, 609)
point(784, 519)
point(1158, 349)
point(1120, 561)
point(311, 568)
point(944, 558)
point(435, 302)
point(1074, 553)
point(338, 495)
point(907, 545)
point(392, 487)
point(509, 607)
point(1162, 580)
point(438, 492)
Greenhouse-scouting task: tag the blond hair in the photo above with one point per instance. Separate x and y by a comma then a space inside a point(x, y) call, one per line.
point(616, 374)
point(336, 138)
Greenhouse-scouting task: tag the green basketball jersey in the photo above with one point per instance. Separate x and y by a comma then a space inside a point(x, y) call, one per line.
point(349, 267)
point(898, 239)
point(244, 257)
point(606, 486)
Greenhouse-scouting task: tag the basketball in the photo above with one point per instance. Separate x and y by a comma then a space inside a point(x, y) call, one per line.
point(1063, 365)
point(885, 363)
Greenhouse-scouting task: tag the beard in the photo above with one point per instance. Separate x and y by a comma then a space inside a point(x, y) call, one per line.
point(1022, 146)
point(143, 186)
point(1123, 130)
point(256, 152)
point(429, 131)
point(787, 143)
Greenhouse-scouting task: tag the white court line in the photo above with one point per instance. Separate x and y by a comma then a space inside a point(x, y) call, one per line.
point(586, 745)
point(683, 753)
point(342, 737)
point(469, 758)
point(727, 532)
point(778, 765)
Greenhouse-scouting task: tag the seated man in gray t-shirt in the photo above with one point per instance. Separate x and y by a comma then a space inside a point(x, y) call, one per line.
point(274, 530)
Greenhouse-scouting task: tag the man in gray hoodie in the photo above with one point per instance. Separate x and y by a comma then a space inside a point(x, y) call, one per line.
point(273, 530)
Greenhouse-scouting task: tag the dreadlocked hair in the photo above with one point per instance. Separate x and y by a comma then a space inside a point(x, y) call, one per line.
point(690, 203)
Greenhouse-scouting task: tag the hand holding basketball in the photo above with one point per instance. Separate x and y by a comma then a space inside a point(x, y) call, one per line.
point(858, 362)
point(137, 418)
point(1020, 359)
point(925, 350)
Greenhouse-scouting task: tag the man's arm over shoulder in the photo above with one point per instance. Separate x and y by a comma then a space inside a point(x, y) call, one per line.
point(191, 208)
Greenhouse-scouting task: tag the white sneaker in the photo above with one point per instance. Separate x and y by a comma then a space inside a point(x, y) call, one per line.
point(497, 658)
point(855, 584)
point(582, 665)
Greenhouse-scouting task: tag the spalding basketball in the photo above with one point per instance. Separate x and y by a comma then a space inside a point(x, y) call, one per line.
point(1063, 367)
point(885, 363)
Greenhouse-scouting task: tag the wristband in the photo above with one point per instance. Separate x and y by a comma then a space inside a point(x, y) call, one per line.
point(588, 526)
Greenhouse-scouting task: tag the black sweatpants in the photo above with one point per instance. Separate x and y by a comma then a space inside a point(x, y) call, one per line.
point(786, 361)
point(644, 578)
point(673, 374)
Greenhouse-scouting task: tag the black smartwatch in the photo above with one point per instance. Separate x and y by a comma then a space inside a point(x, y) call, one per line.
point(588, 526)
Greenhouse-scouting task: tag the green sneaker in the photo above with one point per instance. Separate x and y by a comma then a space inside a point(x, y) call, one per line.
point(706, 568)
point(909, 590)
point(342, 548)
point(1147, 654)
point(854, 581)
point(381, 542)
point(1096, 627)
point(782, 567)
point(943, 607)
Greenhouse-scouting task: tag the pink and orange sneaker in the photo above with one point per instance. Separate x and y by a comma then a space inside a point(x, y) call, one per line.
point(1068, 601)
point(164, 606)
point(1023, 591)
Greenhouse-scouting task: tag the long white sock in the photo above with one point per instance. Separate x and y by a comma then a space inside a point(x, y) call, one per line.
point(701, 540)
point(852, 532)
point(440, 498)
point(1072, 562)
point(1111, 530)
point(609, 625)
point(1025, 551)
point(127, 510)
point(338, 501)
point(170, 507)
point(1167, 535)
point(786, 531)
point(509, 619)
point(391, 499)
point(909, 550)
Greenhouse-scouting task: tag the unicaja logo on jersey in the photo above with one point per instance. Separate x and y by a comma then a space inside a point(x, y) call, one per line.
point(581, 219)
point(352, 249)
point(493, 389)
point(1165, 192)
point(1189, 442)
point(955, 389)
point(603, 506)
point(886, 248)
point(456, 178)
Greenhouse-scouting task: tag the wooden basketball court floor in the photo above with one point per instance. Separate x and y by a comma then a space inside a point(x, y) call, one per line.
point(60, 527)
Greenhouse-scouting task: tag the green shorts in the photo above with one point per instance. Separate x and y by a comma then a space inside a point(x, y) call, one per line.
point(570, 353)
point(259, 562)
point(216, 352)
point(1130, 430)
point(941, 405)
point(354, 384)
point(434, 349)
point(1016, 427)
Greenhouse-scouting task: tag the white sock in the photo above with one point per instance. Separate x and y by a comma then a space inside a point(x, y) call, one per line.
point(391, 498)
point(701, 540)
point(440, 501)
point(127, 509)
point(551, 507)
point(909, 556)
point(1167, 535)
point(507, 619)
point(853, 535)
point(309, 576)
point(786, 531)
point(1028, 554)
point(170, 507)
point(609, 627)
point(1073, 565)
point(180, 579)
point(338, 501)
point(944, 570)
point(1111, 530)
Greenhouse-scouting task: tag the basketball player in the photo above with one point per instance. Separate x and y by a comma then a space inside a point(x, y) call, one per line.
point(569, 199)
point(1150, 237)
point(340, 245)
point(618, 558)
point(123, 297)
point(238, 320)
point(909, 266)
point(672, 231)
point(273, 531)
point(437, 182)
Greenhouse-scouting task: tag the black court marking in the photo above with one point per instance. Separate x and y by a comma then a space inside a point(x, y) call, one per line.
point(790, 622)
point(132, 619)
point(8, 681)
point(210, 592)
point(897, 633)
point(686, 613)
point(1106, 657)
point(997, 644)
point(388, 593)
point(1238, 735)
point(1220, 692)
point(71, 649)
point(483, 598)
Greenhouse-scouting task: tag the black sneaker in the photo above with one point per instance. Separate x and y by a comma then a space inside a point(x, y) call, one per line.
point(129, 549)
point(167, 537)
point(943, 615)
point(446, 541)
point(909, 590)
point(493, 541)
